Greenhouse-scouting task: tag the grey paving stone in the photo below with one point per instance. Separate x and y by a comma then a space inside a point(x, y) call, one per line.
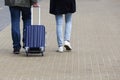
point(4, 15)
point(95, 41)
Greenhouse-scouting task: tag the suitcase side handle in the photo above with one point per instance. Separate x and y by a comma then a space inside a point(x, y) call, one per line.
point(39, 22)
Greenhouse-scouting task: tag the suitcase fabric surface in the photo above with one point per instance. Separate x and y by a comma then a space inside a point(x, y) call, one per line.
point(35, 39)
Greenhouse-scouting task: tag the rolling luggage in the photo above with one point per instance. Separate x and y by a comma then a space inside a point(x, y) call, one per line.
point(35, 38)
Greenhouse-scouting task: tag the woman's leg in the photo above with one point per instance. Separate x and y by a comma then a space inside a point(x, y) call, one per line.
point(59, 28)
point(67, 34)
point(68, 26)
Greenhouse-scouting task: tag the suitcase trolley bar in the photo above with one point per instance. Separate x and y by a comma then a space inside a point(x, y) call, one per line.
point(35, 38)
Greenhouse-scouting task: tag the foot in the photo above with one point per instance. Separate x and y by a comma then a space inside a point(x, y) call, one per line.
point(24, 45)
point(60, 49)
point(67, 45)
point(16, 51)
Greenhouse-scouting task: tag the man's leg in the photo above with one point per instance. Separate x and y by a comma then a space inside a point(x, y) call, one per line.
point(26, 17)
point(15, 27)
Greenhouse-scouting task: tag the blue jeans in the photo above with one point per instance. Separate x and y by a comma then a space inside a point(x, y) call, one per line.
point(59, 28)
point(15, 23)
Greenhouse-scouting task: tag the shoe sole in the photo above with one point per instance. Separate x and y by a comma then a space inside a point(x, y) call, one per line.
point(16, 52)
point(59, 51)
point(67, 47)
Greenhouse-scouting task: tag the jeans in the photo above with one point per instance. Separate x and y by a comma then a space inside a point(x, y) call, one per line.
point(15, 23)
point(67, 29)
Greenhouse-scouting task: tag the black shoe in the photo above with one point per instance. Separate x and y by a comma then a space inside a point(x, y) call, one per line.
point(16, 51)
point(24, 45)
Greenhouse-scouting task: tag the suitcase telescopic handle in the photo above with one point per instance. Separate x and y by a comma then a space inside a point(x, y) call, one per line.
point(39, 22)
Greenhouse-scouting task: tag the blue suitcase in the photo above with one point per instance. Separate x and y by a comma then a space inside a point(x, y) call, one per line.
point(35, 39)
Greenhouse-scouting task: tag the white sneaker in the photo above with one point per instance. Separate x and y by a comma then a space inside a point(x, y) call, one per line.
point(60, 49)
point(67, 45)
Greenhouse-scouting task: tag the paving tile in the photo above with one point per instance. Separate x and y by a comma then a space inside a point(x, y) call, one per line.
point(95, 41)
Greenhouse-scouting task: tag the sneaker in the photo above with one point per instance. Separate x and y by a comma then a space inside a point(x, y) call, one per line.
point(16, 51)
point(67, 45)
point(60, 49)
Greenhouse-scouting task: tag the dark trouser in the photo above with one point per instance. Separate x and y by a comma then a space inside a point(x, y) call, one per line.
point(15, 23)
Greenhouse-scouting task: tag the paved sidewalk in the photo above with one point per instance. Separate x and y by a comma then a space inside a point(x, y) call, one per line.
point(95, 41)
point(4, 15)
